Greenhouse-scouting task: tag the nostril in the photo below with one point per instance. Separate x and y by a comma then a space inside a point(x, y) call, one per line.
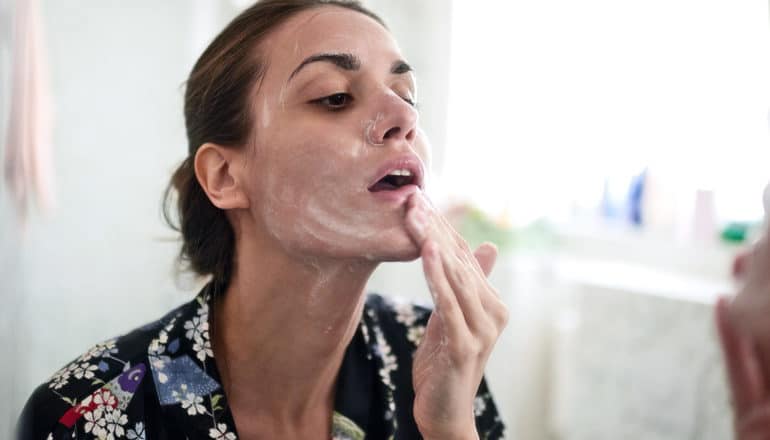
point(392, 132)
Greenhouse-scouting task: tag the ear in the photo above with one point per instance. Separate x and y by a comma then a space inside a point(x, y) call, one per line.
point(215, 168)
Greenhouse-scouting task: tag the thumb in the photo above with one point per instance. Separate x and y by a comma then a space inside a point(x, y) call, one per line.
point(486, 255)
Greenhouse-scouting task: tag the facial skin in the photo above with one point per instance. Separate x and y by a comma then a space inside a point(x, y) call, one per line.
point(322, 133)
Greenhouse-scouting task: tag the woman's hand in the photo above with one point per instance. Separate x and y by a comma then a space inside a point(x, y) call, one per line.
point(750, 310)
point(744, 333)
point(747, 382)
point(468, 318)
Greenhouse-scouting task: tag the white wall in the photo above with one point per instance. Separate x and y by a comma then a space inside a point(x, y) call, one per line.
point(10, 290)
point(99, 263)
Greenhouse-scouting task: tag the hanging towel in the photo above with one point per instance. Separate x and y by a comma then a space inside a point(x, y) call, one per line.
point(27, 159)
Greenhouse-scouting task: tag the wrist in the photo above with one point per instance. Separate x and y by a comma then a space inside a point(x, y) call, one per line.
point(470, 434)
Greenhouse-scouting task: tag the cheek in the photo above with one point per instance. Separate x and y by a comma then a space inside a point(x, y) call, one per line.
point(312, 197)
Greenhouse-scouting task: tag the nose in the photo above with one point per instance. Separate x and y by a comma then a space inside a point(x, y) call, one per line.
point(396, 121)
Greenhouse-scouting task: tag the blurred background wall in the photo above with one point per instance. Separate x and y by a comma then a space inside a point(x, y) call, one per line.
point(546, 118)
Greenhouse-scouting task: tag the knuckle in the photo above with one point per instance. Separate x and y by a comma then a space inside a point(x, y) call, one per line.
point(487, 336)
point(458, 276)
point(503, 314)
point(465, 352)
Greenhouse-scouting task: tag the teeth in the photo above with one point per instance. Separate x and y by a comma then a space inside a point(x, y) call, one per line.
point(400, 173)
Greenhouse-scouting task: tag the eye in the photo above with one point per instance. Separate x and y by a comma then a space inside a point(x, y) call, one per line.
point(409, 101)
point(335, 102)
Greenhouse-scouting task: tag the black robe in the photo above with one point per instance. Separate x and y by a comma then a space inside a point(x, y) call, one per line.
point(161, 382)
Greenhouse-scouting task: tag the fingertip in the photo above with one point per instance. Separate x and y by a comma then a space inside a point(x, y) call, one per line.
point(416, 225)
point(486, 256)
point(488, 248)
point(411, 202)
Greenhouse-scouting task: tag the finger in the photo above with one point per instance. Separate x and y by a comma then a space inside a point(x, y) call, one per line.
point(755, 425)
point(746, 382)
point(417, 226)
point(466, 284)
point(425, 223)
point(420, 221)
point(480, 305)
point(486, 255)
point(739, 266)
point(443, 298)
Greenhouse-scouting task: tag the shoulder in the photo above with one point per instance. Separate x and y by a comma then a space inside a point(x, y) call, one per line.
point(110, 371)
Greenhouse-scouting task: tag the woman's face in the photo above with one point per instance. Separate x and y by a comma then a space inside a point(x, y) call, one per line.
point(333, 116)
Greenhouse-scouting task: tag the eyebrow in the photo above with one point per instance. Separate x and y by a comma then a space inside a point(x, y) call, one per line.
point(347, 61)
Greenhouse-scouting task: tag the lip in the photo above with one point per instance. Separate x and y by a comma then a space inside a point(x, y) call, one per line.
point(406, 162)
point(396, 196)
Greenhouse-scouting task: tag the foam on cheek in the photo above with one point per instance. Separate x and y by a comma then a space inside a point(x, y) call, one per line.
point(329, 220)
point(314, 207)
point(335, 222)
point(309, 200)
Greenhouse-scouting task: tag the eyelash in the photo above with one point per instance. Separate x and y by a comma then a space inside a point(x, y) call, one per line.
point(324, 101)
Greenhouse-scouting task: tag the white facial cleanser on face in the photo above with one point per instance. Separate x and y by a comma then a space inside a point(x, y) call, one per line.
point(766, 200)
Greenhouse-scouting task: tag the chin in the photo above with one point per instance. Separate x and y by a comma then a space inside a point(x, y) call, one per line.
point(397, 248)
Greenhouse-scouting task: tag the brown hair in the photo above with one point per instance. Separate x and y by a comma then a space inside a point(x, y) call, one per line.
point(216, 109)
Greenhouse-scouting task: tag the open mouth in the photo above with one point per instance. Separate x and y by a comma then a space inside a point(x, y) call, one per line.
point(394, 180)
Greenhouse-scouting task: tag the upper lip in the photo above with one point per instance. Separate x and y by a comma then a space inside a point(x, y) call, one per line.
point(406, 162)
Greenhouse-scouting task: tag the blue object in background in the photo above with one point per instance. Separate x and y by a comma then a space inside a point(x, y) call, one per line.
point(622, 199)
point(636, 198)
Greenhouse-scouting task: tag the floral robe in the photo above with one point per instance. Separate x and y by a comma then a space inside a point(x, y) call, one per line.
point(161, 382)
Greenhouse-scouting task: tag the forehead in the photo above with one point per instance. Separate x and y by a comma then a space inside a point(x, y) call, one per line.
point(328, 29)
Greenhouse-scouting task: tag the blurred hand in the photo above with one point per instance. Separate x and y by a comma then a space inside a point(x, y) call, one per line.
point(750, 310)
point(743, 326)
point(748, 387)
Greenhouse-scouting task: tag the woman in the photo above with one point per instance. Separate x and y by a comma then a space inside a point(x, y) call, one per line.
point(305, 171)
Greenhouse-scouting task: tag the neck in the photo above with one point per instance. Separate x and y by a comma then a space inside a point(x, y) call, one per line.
point(281, 330)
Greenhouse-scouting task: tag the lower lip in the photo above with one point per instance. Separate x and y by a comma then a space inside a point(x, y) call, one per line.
point(397, 196)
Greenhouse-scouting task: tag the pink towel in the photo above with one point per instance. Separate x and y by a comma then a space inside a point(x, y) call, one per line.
point(27, 161)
